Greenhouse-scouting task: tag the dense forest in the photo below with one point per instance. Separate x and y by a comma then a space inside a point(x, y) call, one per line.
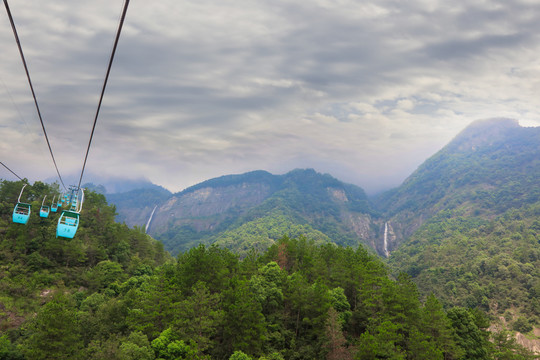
point(493, 264)
point(113, 293)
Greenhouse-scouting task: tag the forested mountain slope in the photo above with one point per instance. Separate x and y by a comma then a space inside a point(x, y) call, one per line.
point(255, 209)
point(37, 267)
point(111, 294)
point(466, 223)
point(34, 261)
point(490, 264)
point(490, 167)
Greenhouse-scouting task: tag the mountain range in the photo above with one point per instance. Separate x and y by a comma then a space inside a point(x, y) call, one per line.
point(490, 167)
point(465, 225)
point(253, 210)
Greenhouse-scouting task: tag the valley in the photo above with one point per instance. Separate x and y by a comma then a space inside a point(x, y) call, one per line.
point(292, 266)
point(464, 225)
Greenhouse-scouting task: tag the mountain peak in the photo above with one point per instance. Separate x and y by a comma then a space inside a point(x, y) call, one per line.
point(483, 132)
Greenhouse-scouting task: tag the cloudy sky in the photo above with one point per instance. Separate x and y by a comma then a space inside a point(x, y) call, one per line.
point(363, 90)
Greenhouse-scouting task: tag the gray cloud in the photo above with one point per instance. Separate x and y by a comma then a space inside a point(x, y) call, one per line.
point(363, 90)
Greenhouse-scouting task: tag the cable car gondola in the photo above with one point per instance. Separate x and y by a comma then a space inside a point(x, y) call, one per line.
point(69, 221)
point(73, 206)
point(21, 212)
point(44, 209)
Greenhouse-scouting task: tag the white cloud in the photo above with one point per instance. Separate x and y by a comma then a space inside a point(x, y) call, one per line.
point(206, 88)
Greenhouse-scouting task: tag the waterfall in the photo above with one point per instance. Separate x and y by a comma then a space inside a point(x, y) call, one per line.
point(385, 246)
point(150, 219)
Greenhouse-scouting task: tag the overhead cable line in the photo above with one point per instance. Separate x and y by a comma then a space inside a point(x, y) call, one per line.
point(124, 11)
point(15, 105)
point(32, 89)
point(4, 165)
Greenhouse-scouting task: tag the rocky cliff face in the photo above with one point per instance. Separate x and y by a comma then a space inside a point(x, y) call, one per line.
point(204, 208)
point(527, 342)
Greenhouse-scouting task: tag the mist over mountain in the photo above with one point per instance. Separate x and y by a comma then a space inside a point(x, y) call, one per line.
point(135, 206)
point(106, 185)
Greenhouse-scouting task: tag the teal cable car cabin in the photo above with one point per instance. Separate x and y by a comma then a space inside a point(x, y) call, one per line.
point(68, 223)
point(44, 210)
point(21, 212)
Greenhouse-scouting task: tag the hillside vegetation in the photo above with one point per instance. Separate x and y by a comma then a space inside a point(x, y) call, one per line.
point(467, 223)
point(112, 293)
point(493, 265)
point(464, 226)
point(35, 263)
point(489, 168)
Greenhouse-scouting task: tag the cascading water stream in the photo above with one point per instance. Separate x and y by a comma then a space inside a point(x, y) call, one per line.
point(150, 219)
point(385, 244)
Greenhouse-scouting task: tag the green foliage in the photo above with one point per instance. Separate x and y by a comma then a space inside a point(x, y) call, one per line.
point(136, 347)
point(476, 166)
point(168, 346)
point(239, 355)
point(522, 325)
point(493, 265)
point(272, 356)
point(472, 339)
point(381, 343)
point(110, 294)
point(55, 332)
point(244, 323)
point(506, 348)
point(201, 317)
point(9, 351)
point(261, 233)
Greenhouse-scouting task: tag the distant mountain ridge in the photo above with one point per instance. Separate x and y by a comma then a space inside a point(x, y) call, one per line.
point(135, 206)
point(301, 202)
point(239, 211)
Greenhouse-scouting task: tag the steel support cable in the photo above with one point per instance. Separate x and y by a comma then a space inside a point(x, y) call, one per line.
point(122, 18)
point(32, 89)
point(15, 106)
point(18, 177)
